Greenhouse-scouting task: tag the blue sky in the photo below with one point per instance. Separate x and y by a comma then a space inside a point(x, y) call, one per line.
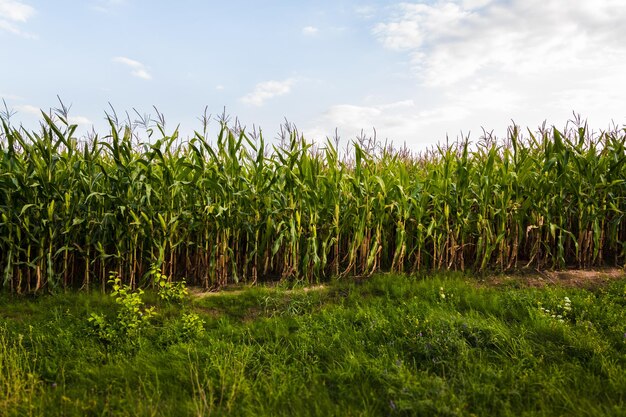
point(416, 71)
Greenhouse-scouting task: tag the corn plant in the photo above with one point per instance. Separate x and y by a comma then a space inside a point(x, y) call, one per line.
point(238, 208)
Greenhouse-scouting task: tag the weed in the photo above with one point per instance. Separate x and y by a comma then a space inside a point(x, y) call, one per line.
point(132, 315)
point(192, 326)
point(562, 312)
point(19, 382)
point(168, 291)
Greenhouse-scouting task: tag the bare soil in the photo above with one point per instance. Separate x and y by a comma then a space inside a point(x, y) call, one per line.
point(198, 292)
point(574, 278)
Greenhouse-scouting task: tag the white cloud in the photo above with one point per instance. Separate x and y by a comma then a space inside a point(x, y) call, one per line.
point(400, 121)
point(12, 14)
point(490, 61)
point(36, 111)
point(310, 30)
point(15, 10)
point(268, 90)
point(127, 61)
point(142, 73)
point(353, 117)
point(138, 69)
point(418, 23)
point(7, 96)
point(365, 11)
point(475, 4)
point(28, 109)
point(455, 40)
point(219, 87)
point(79, 120)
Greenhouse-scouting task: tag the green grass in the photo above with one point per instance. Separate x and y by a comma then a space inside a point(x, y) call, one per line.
point(388, 345)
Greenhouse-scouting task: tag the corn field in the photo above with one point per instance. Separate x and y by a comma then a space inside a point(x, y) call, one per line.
point(237, 209)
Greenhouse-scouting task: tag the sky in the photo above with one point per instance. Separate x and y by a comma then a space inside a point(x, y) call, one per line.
point(416, 71)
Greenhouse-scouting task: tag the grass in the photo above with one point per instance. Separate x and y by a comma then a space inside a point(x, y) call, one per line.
point(388, 345)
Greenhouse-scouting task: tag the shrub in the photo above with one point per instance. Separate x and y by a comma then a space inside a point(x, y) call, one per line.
point(132, 315)
point(170, 292)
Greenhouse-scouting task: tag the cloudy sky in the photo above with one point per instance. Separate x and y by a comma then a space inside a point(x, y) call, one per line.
point(416, 71)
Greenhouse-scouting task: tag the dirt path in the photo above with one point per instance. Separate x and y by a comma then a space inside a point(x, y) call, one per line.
point(577, 278)
point(200, 293)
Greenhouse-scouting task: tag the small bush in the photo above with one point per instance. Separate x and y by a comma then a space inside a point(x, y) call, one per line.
point(131, 318)
point(192, 326)
point(168, 291)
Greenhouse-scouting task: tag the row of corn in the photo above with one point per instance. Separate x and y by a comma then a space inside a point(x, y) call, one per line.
point(234, 208)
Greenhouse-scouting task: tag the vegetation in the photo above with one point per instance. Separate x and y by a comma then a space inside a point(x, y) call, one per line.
point(237, 209)
point(387, 345)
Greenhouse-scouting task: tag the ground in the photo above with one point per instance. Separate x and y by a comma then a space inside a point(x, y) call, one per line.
point(544, 344)
point(572, 278)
